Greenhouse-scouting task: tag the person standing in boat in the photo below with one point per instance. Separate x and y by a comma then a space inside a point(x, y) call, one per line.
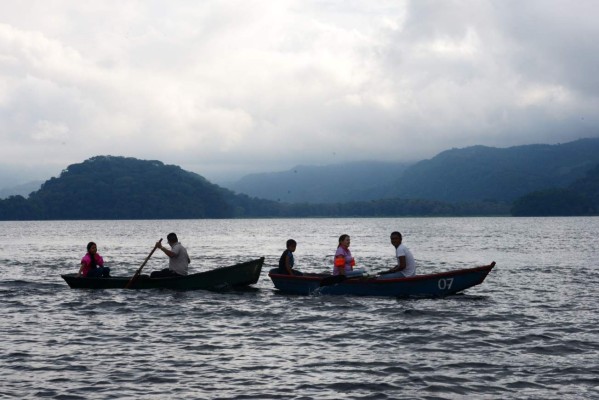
point(406, 265)
point(287, 261)
point(178, 262)
point(92, 263)
point(344, 262)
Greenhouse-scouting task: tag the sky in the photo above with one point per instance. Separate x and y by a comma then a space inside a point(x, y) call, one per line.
point(227, 88)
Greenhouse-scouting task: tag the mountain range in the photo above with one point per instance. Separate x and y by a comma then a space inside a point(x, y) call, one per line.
point(536, 180)
point(108, 187)
point(337, 183)
point(476, 173)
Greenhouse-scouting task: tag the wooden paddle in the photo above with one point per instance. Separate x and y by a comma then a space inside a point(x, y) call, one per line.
point(136, 275)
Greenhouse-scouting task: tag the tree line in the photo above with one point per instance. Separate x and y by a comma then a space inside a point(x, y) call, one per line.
point(106, 187)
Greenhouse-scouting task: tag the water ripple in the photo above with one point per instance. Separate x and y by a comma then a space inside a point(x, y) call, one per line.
point(530, 331)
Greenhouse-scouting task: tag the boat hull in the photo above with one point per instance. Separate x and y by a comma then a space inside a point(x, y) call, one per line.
point(238, 275)
point(431, 285)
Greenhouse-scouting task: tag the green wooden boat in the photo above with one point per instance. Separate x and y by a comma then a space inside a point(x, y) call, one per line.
point(218, 279)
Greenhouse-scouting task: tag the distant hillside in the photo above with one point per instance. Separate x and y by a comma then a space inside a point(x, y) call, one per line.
point(478, 173)
point(357, 181)
point(118, 187)
point(579, 198)
point(106, 187)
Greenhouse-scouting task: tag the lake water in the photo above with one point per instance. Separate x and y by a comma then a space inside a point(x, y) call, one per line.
point(530, 331)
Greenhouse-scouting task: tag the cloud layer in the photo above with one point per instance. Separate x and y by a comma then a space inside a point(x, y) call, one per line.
point(225, 88)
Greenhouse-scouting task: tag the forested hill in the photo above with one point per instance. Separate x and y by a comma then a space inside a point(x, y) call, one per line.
point(544, 180)
point(476, 173)
point(579, 198)
point(502, 174)
point(107, 187)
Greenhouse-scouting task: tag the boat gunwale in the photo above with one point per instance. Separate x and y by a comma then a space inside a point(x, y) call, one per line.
point(74, 275)
point(362, 280)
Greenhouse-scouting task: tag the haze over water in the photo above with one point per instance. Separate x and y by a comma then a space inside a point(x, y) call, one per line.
point(529, 331)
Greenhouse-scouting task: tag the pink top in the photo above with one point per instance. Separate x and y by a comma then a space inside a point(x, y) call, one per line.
point(349, 260)
point(86, 260)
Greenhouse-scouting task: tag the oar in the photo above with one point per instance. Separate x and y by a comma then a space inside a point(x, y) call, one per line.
point(136, 275)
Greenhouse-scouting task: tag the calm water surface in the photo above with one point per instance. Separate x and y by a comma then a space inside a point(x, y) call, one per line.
point(531, 330)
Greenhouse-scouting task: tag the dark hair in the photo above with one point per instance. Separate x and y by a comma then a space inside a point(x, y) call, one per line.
point(172, 237)
point(342, 238)
point(291, 242)
point(92, 257)
point(395, 233)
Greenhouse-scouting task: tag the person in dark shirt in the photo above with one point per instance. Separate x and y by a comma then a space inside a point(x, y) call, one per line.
point(286, 262)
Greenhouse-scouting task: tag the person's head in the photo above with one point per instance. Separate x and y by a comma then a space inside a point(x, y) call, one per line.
point(171, 238)
point(291, 245)
point(396, 239)
point(344, 240)
point(92, 248)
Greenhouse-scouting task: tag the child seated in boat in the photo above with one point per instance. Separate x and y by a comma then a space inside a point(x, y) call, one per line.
point(92, 263)
point(286, 262)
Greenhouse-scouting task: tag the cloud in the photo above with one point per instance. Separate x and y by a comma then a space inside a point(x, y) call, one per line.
point(228, 88)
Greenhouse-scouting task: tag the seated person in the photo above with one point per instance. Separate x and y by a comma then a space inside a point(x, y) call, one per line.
point(178, 259)
point(92, 263)
point(344, 262)
point(286, 262)
point(406, 265)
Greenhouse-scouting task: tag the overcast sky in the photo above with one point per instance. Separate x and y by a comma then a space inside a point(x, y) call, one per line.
point(225, 88)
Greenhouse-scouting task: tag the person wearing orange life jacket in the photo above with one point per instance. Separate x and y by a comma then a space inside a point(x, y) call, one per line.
point(344, 262)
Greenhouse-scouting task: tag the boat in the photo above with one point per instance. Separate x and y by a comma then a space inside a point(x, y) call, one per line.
point(234, 276)
point(429, 285)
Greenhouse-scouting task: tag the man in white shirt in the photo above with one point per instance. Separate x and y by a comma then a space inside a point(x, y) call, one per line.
point(406, 265)
point(178, 262)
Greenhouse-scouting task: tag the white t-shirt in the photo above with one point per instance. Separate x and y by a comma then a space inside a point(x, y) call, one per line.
point(180, 262)
point(410, 269)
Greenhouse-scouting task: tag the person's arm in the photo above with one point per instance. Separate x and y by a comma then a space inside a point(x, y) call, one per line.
point(84, 263)
point(339, 263)
point(401, 265)
point(164, 249)
point(288, 264)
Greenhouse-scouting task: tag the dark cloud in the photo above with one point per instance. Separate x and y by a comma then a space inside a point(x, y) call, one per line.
point(226, 90)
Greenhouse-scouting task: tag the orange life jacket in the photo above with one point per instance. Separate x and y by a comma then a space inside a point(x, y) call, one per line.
point(340, 262)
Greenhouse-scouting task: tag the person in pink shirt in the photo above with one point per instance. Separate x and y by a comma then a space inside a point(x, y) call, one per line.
point(344, 262)
point(92, 263)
